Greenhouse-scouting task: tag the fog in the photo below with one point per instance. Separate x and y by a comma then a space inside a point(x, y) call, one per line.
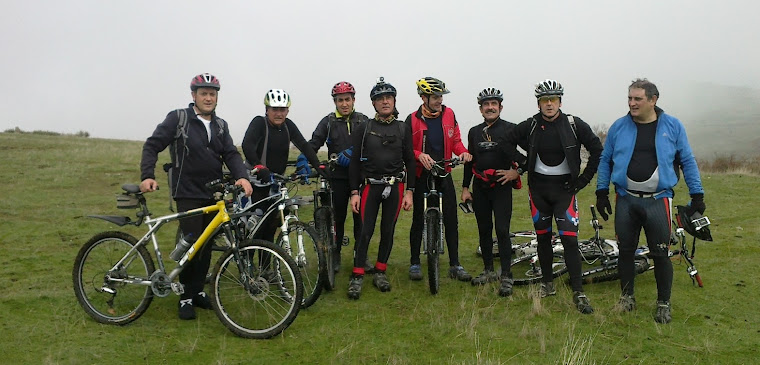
point(115, 69)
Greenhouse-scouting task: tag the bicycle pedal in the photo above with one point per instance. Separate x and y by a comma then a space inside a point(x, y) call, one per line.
point(178, 288)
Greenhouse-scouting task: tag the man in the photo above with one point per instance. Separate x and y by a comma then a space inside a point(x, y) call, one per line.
point(382, 151)
point(266, 146)
point(435, 134)
point(640, 159)
point(336, 129)
point(553, 141)
point(492, 195)
point(198, 151)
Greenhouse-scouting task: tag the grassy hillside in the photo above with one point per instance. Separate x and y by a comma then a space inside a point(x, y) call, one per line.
point(52, 182)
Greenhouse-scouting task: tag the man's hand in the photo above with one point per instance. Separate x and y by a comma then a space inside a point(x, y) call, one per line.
point(466, 194)
point(408, 200)
point(506, 176)
point(465, 157)
point(603, 203)
point(426, 160)
point(302, 166)
point(148, 185)
point(355, 203)
point(246, 186)
point(698, 203)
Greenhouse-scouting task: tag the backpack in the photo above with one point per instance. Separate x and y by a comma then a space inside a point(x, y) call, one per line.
point(173, 150)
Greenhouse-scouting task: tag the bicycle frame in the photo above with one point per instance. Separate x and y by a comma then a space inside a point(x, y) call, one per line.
point(220, 221)
point(436, 197)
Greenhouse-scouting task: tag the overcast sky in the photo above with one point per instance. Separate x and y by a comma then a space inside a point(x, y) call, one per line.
point(115, 68)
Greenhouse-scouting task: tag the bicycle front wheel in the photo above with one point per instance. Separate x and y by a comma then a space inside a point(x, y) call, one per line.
point(104, 291)
point(324, 223)
point(312, 264)
point(256, 290)
point(527, 269)
point(432, 242)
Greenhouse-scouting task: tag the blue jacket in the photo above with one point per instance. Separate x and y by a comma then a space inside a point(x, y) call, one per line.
point(669, 141)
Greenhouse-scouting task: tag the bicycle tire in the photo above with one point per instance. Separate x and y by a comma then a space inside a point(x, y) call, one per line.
point(263, 298)
point(98, 255)
point(603, 273)
point(324, 223)
point(313, 268)
point(432, 238)
point(527, 269)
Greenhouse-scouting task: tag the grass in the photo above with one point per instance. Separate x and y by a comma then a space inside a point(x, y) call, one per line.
point(52, 182)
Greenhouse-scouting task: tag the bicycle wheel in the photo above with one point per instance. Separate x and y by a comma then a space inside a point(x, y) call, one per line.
point(527, 269)
point(610, 272)
point(432, 238)
point(106, 300)
point(256, 293)
point(324, 224)
point(312, 265)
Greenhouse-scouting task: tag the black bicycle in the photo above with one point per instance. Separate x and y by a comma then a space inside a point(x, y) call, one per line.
point(432, 231)
point(324, 223)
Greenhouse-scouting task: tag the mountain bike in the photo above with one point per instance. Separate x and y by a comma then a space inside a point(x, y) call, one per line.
point(324, 223)
point(297, 238)
point(432, 231)
point(115, 278)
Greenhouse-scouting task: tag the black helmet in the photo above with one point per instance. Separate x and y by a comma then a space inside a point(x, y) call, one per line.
point(382, 88)
point(693, 222)
point(490, 93)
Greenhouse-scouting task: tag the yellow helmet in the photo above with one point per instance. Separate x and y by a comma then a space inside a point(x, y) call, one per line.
point(431, 86)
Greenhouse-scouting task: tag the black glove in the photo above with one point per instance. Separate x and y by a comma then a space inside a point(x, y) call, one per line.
point(603, 203)
point(698, 203)
point(580, 183)
point(263, 173)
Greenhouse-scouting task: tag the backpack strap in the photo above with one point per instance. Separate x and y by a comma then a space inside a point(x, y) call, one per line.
point(572, 124)
point(181, 133)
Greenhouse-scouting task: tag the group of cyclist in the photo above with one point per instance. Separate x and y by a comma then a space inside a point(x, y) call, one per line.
point(384, 164)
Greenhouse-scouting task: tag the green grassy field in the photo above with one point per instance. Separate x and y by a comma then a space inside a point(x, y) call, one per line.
point(52, 182)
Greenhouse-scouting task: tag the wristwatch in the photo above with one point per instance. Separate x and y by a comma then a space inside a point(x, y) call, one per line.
point(520, 171)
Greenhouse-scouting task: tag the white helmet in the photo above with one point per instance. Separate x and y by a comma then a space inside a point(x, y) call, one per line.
point(549, 87)
point(277, 98)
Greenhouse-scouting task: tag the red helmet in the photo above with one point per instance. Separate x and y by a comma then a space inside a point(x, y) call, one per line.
point(204, 80)
point(343, 87)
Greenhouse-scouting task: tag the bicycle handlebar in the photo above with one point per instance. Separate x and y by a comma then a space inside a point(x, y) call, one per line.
point(594, 220)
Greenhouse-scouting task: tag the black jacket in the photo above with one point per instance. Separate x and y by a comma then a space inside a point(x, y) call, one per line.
point(336, 132)
point(278, 144)
point(385, 149)
point(499, 157)
point(197, 163)
point(523, 136)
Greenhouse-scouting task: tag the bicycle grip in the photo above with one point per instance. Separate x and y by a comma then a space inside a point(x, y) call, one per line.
point(699, 280)
point(593, 212)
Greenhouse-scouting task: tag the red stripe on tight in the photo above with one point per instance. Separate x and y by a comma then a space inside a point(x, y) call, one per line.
point(400, 199)
point(358, 271)
point(365, 192)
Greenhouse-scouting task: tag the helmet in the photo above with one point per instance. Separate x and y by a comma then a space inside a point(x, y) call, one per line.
point(693, 222)
point(204, 80)
point(490, 93)
point(549, 87)
point(343, 87)
point(431, 86)
point(382, 88)
point(277, 98)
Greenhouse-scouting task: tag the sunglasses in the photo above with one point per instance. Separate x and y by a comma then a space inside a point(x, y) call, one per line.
point(552, 99)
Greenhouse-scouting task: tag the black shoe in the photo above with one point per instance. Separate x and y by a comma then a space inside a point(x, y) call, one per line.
point(581, 303)
point(202, 301)
point(662, 313)
point(381, 281)
point(355, 287)
point(186, 310)
point(505, 289)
